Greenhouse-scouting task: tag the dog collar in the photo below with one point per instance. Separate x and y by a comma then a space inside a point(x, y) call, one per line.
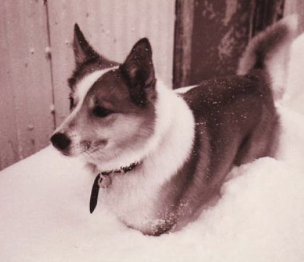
point(103, 180)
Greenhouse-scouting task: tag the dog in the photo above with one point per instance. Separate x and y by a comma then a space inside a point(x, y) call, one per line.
point(159, 156)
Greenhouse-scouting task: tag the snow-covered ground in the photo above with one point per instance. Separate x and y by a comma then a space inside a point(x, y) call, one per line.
point(44, 207)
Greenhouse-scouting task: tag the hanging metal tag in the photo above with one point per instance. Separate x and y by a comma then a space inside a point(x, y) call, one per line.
point(102, 181)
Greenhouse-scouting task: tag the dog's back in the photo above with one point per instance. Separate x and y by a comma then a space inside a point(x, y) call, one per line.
point(238, 116)
point(236, 120)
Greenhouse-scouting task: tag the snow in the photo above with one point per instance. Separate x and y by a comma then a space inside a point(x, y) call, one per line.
point(44, 209)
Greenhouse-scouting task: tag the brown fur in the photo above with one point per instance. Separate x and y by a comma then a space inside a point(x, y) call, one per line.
point(236, 122)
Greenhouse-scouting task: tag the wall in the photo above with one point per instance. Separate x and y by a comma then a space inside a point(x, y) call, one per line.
point(37, 58)
point(212, 35)
point(26, 89)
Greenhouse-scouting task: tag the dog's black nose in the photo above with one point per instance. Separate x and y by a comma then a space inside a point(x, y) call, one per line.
point(60, 141)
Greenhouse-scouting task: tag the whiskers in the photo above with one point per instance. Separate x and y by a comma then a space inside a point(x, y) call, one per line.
point(93, 154)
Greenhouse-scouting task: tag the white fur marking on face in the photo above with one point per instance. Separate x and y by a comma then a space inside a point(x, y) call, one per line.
point(82, 88)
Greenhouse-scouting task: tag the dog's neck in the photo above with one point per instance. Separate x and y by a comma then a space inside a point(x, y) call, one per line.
point(176, 134)
point(120, 170)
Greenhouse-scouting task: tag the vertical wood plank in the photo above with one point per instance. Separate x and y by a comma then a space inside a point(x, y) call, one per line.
point(183, 41)
point(220, 35)
point(112, 27)
point(26, 90)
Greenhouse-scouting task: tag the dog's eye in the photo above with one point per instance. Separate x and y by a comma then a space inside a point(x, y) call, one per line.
point(101, 112)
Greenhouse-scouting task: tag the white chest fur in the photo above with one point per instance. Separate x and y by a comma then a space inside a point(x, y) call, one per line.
point(133, 197)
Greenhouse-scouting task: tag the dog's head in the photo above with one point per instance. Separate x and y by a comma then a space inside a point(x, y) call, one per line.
point(112, 105)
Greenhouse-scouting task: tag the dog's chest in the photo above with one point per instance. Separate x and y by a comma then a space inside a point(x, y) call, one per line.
point(133, 197)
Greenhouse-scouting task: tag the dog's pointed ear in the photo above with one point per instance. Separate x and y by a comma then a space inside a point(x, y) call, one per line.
point(139, 72)
point(82, 49)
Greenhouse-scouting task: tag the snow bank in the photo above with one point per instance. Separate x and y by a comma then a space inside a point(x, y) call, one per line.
point(44, 212)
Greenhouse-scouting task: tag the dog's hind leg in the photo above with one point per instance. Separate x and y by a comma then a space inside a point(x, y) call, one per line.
point(261, 142)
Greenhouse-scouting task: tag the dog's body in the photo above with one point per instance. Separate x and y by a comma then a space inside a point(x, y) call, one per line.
point(185, 142)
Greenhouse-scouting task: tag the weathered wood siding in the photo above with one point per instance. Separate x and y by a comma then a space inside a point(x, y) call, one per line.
point(26, 90)
point(32, 81)
point(215, 35)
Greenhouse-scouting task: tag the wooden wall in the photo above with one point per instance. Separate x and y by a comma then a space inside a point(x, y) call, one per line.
point(212, 35)
point(37, 58)
point(26, 88)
